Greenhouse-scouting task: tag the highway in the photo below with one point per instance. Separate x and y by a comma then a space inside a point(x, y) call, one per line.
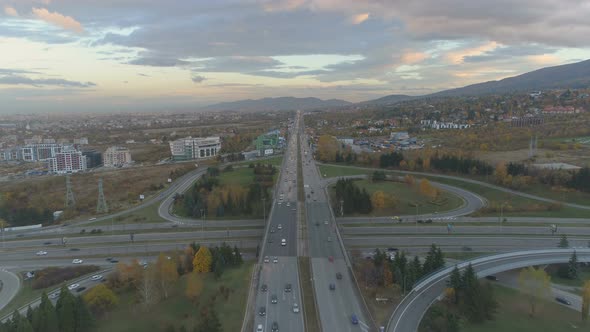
point(274, 275)
point(10, 284)
point(329, 258)
point(408, 314)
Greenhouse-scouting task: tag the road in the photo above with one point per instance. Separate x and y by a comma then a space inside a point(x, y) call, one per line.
point(328, 258)
point(457, 220)
point(10, 286)
point(458, 229)
point(408, 314)
point(282, 225)
point(484, 184)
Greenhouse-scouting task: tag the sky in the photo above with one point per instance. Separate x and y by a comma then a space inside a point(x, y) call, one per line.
point(155, 55)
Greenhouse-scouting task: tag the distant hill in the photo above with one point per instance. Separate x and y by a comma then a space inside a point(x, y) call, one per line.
point(574, 75)
point(276, 104)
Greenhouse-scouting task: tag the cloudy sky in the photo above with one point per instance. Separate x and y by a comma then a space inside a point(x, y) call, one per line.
point(119, 55)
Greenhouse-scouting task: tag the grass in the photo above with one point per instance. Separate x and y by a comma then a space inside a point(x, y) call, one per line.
point(513, 315)
point(148, 214)
point(518, 206)
point(276, 161)
point(407, 199)
point(583, 275)
point(24, 295)
point(178, 311)
point(312, 323)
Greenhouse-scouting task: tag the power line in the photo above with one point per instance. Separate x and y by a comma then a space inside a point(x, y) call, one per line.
point(101, 205)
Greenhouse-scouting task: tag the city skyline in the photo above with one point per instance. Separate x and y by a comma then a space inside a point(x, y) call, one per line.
point(65, 55)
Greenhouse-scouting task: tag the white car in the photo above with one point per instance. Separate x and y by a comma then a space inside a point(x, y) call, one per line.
point(295, 308)
point(77, 261)
point(41, 253)
point(325, 222)
point(283, 242)
point(259, 328)
point(275, 259)
point(96, 277)
point(266, 259)
point(279, 226)
point(54, 295)
point(73, 286)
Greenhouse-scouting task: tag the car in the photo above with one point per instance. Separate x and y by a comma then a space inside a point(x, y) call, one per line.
point(563, 300)
point(41, 253)
point(91, 219)
point(329, 239)
point(114, 261)
point(270, 239)
point(354, 319)
point(275, 259)
point(288, 288)
point(317, 223)
point(79, 289)
point(338, 275)
point(392, 249)
point(264, 288)
point(288, 204)
point(283, 242)
point(325, 222)
point(73, 286)
point(259, 328)
point(262, 311)
point(74, 249)
point(279, 227)
point(492, 278)
point(108, 259)
point(20, 235)
point(280, 203)
point(331, 259)
point(272, 230)
point(77, 261)
point(274, 299)
point(266, 259)
point(47, 243)
point(96, 277)
point(332, 286)
point(295, 307)
point(54, 295)
point(274, 327)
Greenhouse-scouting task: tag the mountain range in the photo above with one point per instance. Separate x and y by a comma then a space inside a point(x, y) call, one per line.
point(573, 75)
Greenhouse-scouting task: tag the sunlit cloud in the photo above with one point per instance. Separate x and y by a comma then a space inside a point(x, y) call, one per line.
point(409, 58)
point(457, 57)
point(10, 11)
point(359, 18)
point(66, 22)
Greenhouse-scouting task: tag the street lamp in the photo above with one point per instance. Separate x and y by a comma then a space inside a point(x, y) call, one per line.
point(502, 213)
point(264, 209)
point(202, 224)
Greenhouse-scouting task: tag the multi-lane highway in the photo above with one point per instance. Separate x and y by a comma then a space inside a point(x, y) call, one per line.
point(408, 314)
point(336, 292)
point(278, 292)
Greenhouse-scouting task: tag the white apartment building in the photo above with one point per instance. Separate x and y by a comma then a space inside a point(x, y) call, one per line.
point(195, 148)
point(117, 156)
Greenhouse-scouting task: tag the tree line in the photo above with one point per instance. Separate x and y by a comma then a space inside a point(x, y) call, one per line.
point(355, 199)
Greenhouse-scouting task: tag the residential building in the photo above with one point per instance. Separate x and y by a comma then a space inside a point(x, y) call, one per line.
point(11, 154)
point(81, 141)
point(117, 156)
point(195, 148)
point(93, 158)
point(68, 160)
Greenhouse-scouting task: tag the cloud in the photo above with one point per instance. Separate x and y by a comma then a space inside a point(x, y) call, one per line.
point(142, 74)
point(22, 80)
point(359, 18)
point(197, 78)
point(66, 22)
point(158, 61)
point(409, 57)
point(10, 11)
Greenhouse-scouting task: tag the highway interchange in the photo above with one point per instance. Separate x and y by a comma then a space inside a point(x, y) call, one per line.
point(325, 239)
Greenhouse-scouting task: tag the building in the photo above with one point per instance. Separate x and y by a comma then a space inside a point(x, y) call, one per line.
point(117, 156)
point(93, 158)
point(11, 154)
point(68, 160)
point(81, 141)
point(195, 148)
point(399, 136)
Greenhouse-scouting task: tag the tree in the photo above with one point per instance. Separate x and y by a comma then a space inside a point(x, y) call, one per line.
point(563, 242)
point(572, 267)
point(327, 148)
point(147, 287)
point(83, 317)
point(45, 318)
point(585, 300)
point(455, 283)
point(378, 176)
point(194, 286)
point(100, 299)
point(166, 273)
point(378, 199)
point(427, 189)
point(202, 260)
point(65, 308)
point(535, 283)
point(238, 260)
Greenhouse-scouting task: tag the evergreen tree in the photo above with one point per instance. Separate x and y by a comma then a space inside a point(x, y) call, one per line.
point(414, 271)
point(213, 321)
point(455, 282)
point(66, 311)
point(24, 325)
point(29, 314)
point(452, 323)
point(238, 256)
point(45, 318)
point(572, 270)
point(83, 317)
point(439, 259)
point(563, 242)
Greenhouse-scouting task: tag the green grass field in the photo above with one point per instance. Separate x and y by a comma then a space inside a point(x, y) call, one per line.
point(24, 295)
point(513, 315)
point(330, 171)
point(407, 198)
point(178, 311)
point(583, 275)
point(148, 214)
point(243, 176)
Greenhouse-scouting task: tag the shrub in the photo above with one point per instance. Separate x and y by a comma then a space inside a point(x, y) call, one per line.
point(55, 275)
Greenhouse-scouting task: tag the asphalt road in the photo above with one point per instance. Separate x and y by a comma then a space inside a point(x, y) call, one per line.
point(285, 271)
point(408, 314)
point(458, 229)
point(457, 220)
point(10, 286)
point(328, 258)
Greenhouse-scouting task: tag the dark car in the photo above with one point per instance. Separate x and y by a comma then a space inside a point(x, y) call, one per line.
point(563, 300)
point(332, 286)
point(492, 278)
point(74, 249)
point(262, 311)
point(288, 288)
point(339, 276)
point(79, 289)
point(114, 261)
point(274, 327)
point(47, 243)
point(391, 249)
point(353, 319)
point(108, 259)
point(274, 299)
point(264, 288)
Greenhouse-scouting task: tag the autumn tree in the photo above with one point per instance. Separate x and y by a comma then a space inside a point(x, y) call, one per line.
point(194, 286)
point(147, 287)
point(327, 148)
point(202, 260)
point(379, 199)
point(166, 274)
point(536, 284)
point(101, 299)
point(427, 189)
point(585, 300)
point(409, 180)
